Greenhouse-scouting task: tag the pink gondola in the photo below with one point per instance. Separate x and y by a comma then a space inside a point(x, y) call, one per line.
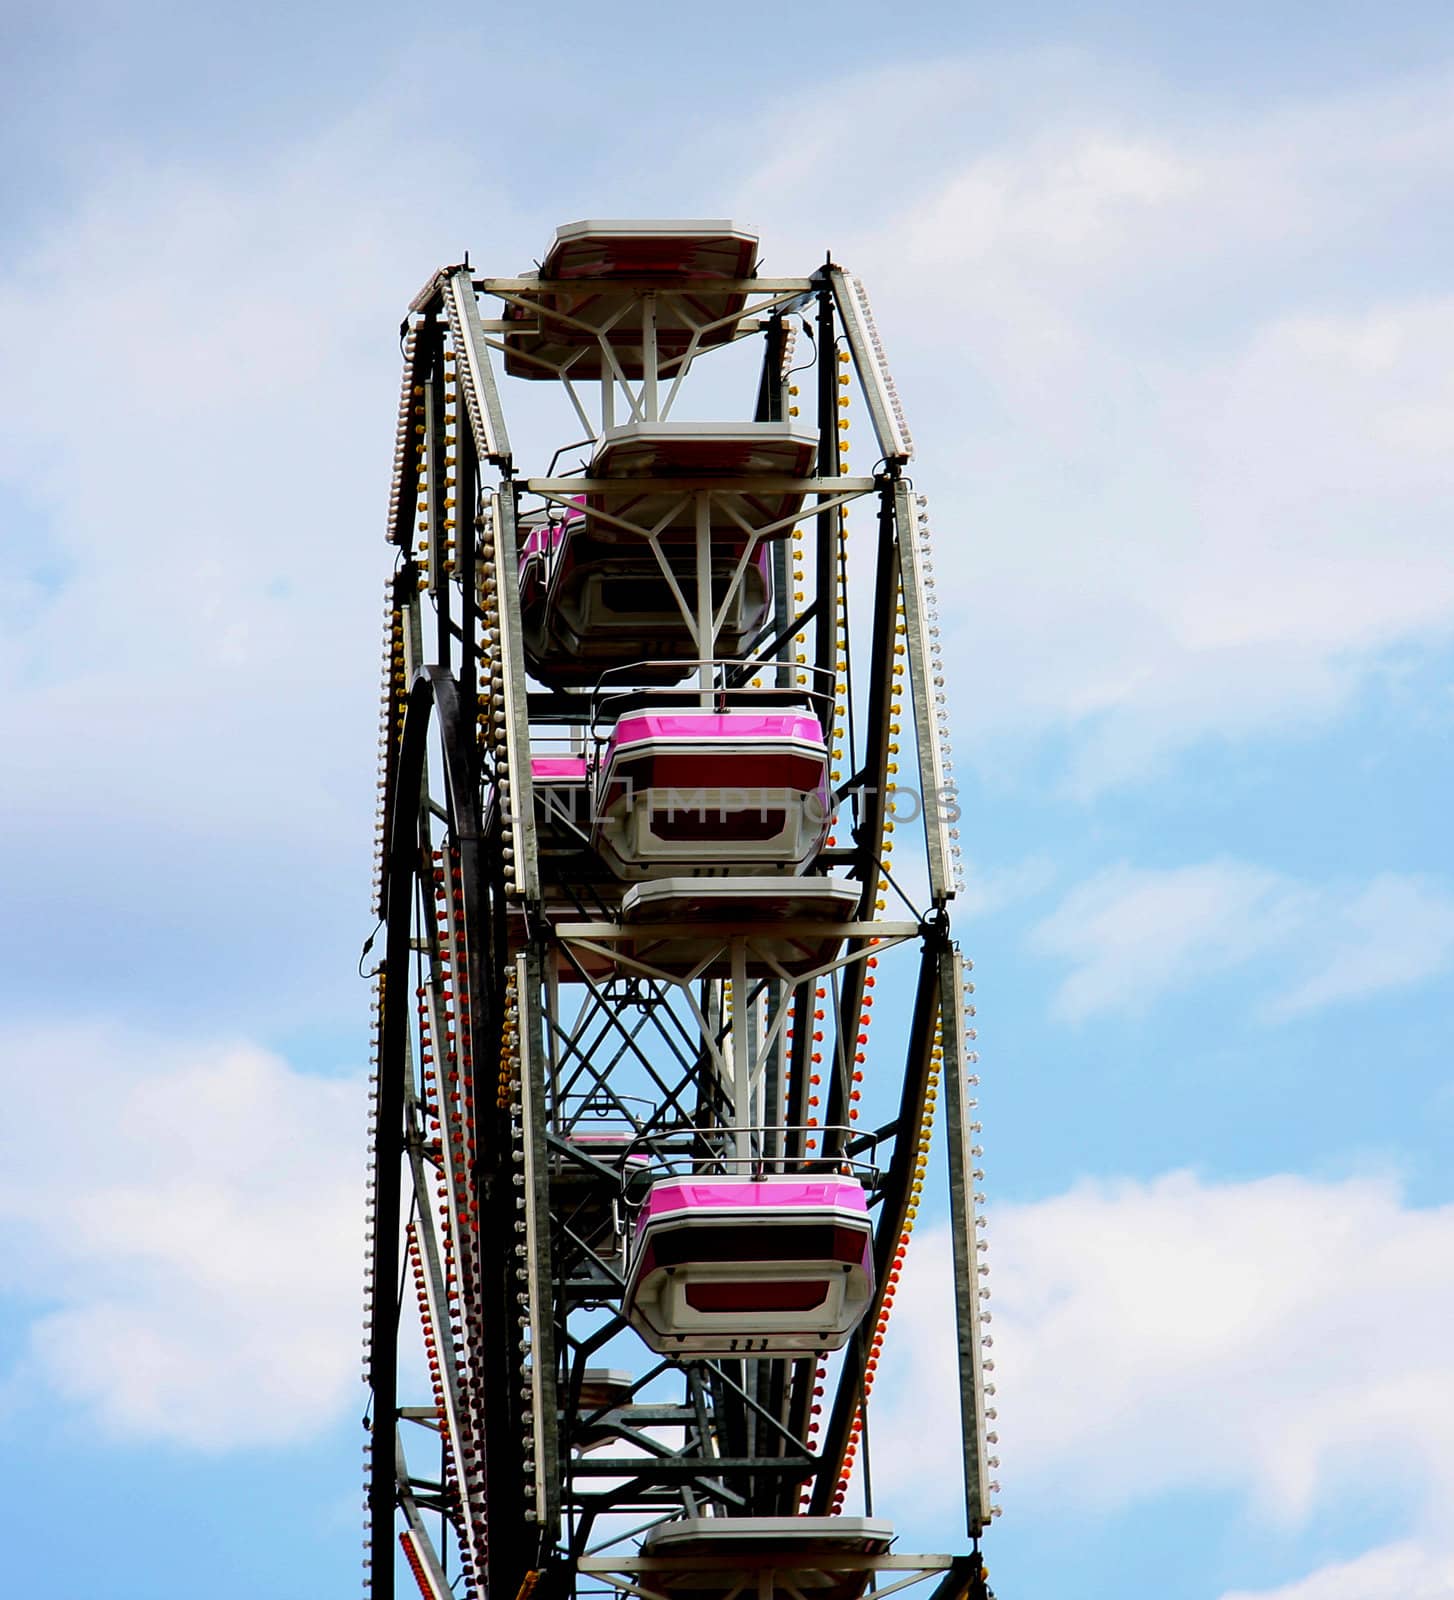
point(562, 790)
point(587, 604)
point(540, 542)
point(684, 791)
point(779, 1558)
point(750, 1266)
point(562, 806)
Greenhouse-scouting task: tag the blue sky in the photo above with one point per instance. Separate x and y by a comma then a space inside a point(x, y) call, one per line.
point(1166, 293)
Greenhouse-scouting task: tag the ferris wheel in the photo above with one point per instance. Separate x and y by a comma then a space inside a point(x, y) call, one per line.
point(665, 808)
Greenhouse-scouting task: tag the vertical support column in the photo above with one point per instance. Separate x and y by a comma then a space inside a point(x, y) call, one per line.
point(649, 356)
point(896, 1191)
point(826, 581)
point(770, 382)
point(706, 632)
point(465, 517)
point(773, 1075)
point(522, 872)
point(871, 803)
point(384, 1274)
point(534, 1121)
point(770, 409)
point(968, 1328)
point(782, 604)
point(552, 1047)
point(477, 377)
point(923, 688)
point(393, 1066)
point(742, 1097)
point(440, 466)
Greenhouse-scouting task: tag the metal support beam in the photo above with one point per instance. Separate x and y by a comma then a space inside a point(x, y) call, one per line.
point(826, 521)
point(923, 687)
point(396, 1005)
point(477, 377)
point(521, 802)
point(871, 780)
point(440, 475)
point(969, 1333)
point(534, 1129)
point(893, 1211)
point(887, 415)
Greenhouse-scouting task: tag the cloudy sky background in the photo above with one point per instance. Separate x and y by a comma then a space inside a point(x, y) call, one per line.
point(1168, 299)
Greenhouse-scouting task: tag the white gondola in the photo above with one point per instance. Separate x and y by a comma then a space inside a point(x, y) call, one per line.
point(752, 470)
point(586, 296)
point(750, 1266)
point(682, 791)
point(683, 926)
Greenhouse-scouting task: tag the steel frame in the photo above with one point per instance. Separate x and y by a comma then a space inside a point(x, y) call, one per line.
point(514, 1021)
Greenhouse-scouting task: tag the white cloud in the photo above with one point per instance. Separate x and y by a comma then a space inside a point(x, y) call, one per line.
point(991, 889)
point(205, 436)
point(1199, 502)
point(1131, 935)
point(1404, 1571)
point(185, 1227)
point(219, 512)
point(1283, 1340)
point(1051, 202)
point(1182, 396)
point(1395, 932)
